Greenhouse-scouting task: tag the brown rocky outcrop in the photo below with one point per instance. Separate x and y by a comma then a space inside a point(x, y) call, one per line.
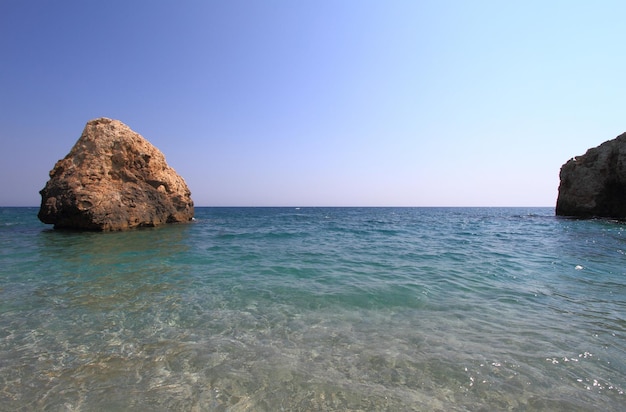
point(113, 179)
point(594, 184)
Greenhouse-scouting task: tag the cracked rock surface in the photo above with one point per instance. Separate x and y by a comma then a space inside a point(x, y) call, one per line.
point(594, 184)
point(113, 179)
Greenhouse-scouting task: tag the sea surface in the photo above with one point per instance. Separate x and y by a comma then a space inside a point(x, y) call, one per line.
point(316, 309)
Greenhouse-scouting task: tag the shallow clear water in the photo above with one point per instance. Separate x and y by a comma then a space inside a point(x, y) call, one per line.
point(268, 309)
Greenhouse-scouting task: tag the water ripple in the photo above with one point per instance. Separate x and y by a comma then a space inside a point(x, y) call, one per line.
point(316, 309)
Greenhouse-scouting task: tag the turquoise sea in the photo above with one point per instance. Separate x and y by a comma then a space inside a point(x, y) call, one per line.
point(316, 309)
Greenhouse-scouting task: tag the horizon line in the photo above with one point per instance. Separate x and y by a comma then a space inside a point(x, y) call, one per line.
point(335, 206)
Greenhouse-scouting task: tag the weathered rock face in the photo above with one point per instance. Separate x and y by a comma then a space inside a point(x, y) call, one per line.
point(113, 179)
point(594, 184)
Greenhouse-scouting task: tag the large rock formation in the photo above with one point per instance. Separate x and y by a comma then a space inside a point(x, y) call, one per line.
point(594, 184)
point(113, 179)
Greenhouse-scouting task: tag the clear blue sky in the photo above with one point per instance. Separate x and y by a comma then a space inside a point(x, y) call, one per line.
point(311, 103)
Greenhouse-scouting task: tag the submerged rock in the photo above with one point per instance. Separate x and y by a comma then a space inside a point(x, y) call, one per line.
point(594, 184)
point(113, 179)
